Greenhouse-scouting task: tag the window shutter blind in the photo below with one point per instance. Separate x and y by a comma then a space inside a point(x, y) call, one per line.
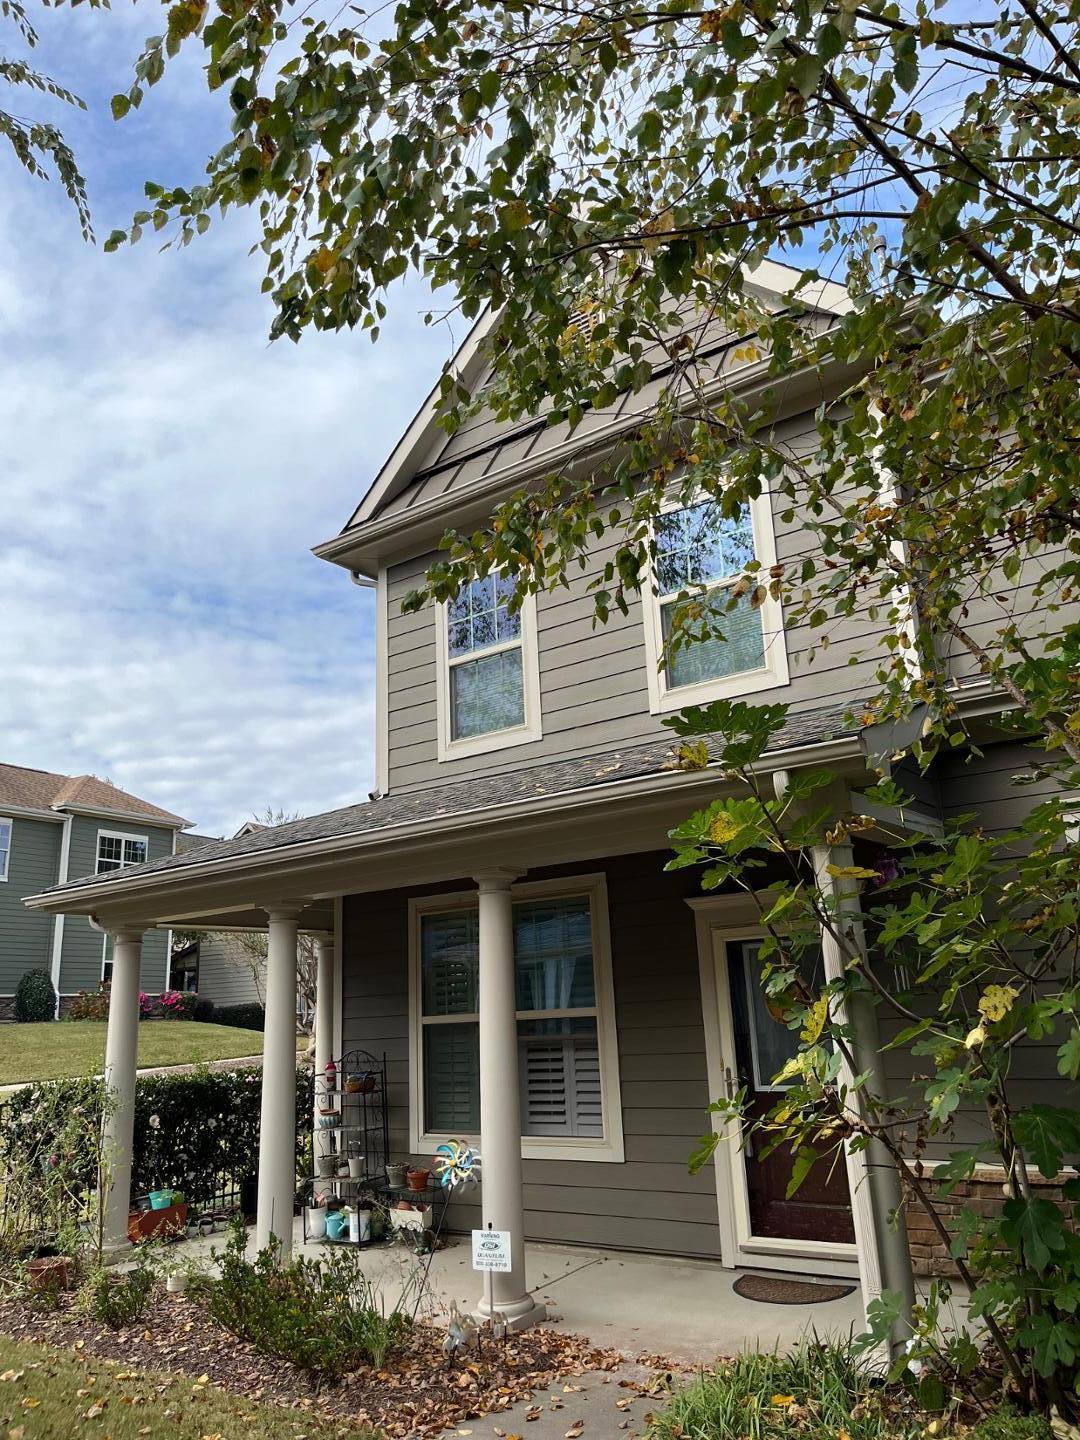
point(560, 1086)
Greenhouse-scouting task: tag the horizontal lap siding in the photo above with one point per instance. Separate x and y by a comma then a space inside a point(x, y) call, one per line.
point(594, 678)
point(648, 1202)
point(33, 865)
point(987, 787)
point(82, 956)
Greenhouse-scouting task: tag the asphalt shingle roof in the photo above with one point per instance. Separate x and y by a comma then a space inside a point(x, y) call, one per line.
point(44, 790)
point(463, 797)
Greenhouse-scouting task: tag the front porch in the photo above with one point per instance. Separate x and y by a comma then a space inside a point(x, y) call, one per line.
point(630, 1014)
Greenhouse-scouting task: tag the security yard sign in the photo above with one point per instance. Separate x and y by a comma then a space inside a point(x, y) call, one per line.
point(491, 1250)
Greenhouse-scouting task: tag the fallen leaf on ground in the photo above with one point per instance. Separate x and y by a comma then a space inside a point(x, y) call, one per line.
point(575, 1430)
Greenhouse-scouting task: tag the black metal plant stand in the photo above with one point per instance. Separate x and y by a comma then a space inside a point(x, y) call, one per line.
point(358, 1106)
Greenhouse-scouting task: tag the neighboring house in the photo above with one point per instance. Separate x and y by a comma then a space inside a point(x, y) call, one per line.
point(55, 826)
point(503, 929)
point(218, 967)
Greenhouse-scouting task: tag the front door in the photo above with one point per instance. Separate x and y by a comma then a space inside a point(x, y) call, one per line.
point(820, 1210)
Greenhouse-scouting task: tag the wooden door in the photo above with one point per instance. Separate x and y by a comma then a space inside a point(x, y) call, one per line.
point(820, 1209)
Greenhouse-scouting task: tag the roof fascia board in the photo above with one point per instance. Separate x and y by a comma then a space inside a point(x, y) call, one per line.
point(424, 427)
point(29, 812)
point(104, 812)
point(269, 862)
point(365, 551)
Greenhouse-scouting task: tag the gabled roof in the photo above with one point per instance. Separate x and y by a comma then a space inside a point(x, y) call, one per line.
point(27, 789)
point(427, 465)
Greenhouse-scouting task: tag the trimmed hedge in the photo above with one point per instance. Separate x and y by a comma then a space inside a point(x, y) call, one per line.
point(196, 1132)
point(203, 1009)
point(249, 1016)
point(35, 998)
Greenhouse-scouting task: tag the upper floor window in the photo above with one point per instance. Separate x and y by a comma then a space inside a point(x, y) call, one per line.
point(116, 849)
point(6, 827)
point(729, 645)
point(489, 683)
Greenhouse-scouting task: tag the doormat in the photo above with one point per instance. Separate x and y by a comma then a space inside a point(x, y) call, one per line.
point(774, 1290)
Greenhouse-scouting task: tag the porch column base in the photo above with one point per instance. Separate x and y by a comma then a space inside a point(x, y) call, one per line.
point(522, 1314)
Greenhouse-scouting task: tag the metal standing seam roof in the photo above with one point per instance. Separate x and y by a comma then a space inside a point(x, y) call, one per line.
point(463, 797)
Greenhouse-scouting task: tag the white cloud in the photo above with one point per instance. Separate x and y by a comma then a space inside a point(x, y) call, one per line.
point(164, 472)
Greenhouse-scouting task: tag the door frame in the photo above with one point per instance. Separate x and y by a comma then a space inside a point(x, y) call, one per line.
point(718, 921)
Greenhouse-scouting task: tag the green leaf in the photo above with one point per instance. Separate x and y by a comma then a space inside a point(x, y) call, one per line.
point(1033, 1226)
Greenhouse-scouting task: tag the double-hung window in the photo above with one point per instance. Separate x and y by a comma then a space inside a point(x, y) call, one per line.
point(6, 828)
point(726, 644)
point(489, 685)
point(567, 1060)
point(116, 849)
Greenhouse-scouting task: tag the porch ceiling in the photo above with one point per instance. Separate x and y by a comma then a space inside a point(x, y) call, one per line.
point(618, 802)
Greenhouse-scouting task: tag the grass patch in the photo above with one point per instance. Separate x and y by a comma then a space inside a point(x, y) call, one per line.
point(50, 1393)
point(817, 1391)
point(62, 1048)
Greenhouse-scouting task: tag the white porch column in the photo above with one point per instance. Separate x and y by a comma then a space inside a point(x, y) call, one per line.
point(121, 1048)
point(324, 1030)
point(277, 1119)
point(884, 1257)
point(500, 1105)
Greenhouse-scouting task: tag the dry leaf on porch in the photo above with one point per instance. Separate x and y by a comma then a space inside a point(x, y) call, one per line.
point(575, 1430)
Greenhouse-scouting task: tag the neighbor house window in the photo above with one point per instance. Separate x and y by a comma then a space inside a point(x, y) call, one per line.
point(115, 850)
point(700, 555)
point(489, 687)
point(567, 1063)
point(6, 827)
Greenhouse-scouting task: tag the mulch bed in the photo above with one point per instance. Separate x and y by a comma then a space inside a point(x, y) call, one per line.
point(417, 1393)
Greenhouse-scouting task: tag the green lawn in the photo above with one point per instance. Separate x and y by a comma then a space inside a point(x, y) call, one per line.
point(49, 1393)
point(77, 1047)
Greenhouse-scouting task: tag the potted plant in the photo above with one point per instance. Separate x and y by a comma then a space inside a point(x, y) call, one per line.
point(395, 1176)
point(356, 1167)
point(315, 1217)
point(419, 1179)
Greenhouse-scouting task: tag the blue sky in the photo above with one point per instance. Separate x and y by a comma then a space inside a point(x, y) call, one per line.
point(165, 470)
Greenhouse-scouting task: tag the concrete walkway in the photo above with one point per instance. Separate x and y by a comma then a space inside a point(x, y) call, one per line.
point(643, 1305)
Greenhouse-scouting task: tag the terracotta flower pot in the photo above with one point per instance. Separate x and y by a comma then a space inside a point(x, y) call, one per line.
point(419, 1179)
point(49, 1272)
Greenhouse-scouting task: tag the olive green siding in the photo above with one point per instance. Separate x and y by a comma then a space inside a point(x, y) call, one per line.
point(649, 1201)
point(26, 935)
point(85, 947)
point(594, 678)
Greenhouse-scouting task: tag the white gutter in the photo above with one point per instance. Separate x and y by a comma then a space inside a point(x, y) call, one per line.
point(847, 747)
point(104, 812)
point(30, 812)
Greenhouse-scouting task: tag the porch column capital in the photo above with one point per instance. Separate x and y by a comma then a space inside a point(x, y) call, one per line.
point(496, 879)
point(129, 934)
point(285, 910)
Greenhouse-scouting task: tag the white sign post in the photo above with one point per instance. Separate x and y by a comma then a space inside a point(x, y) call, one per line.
point(491, 1252)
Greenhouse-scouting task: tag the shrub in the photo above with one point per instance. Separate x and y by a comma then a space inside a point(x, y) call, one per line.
point(35, 998)
point(203, 1009)
point(177, 1005)
point(322, 1315)
point(821, 1388)
point(1009, 1424)
point(90, 1005)
point(118, 1299)
point(196, 1132)
point(146, 1005)
point(245, 1017)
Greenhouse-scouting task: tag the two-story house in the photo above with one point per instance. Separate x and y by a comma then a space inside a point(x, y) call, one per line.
point(497, 920)
point(56, 826)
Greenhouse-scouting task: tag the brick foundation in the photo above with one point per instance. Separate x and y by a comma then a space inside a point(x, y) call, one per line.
point(7, 1008)
point(984, 1193)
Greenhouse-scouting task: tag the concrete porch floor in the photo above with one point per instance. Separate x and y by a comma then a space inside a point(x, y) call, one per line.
point(685, 1310)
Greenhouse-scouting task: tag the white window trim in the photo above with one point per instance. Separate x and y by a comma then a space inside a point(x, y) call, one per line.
point(7, 820)
point(610, 1149)
point(524, 734)
point(120, 835)
point(664, 698)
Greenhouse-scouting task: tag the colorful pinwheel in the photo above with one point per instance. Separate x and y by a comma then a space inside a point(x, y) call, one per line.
point(456, 1164)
